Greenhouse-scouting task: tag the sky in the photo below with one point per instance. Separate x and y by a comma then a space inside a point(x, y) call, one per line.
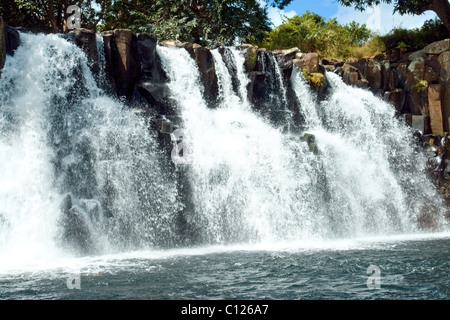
point(379, 19)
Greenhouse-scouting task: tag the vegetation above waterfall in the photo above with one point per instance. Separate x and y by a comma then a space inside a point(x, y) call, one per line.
point(221, 22)
point(312, 33)
point(414, 7)
point(199, 21)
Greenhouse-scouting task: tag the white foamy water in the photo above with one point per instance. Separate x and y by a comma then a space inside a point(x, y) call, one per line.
point(29, 200)
point(80, 172)
point(248, 184)
point(76, 166)
point(253, 183)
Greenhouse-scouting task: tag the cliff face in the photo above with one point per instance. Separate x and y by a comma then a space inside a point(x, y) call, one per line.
point(2, 44)
point(9, 41)
point(417, 84)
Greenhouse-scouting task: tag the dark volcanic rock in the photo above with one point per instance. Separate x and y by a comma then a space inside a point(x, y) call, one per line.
point(206, 66)
point(86, 40)
point(12, 40)
point(148, 60)
point(2, 44)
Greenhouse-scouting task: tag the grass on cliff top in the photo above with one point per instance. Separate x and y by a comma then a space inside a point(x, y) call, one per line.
point(313, 33)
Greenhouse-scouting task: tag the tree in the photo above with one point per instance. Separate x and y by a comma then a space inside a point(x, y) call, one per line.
point(311, 32)
point(416, 7)
point(201, 21)
point(198, 21)
point(50, 15)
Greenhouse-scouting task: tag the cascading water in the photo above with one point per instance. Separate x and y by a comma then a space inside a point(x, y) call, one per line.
point(253, 183)
point(375, 174)
point(89, 192)
point(83, 173)
point(78, 170)
point(225, 81)
point(248, 179)
point(273, 102)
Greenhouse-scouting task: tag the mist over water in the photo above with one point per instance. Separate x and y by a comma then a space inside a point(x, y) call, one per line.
point(82, 174)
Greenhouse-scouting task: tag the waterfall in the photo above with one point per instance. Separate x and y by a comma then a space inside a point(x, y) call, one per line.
point(247, 178)
point(253, 183)
point(80, 171)
point(238, 60)
point(83, 173)
point(225, 81)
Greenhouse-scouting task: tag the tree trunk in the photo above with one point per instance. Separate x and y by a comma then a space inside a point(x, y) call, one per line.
point(442, 9)
point(195, 34)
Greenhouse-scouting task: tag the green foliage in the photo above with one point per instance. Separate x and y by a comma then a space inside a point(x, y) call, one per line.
point(415, 7)
point(49, 16)
point(415, 39)
point(421, 85)
point(400, 6)
point(401, 45)
point(316, 79)
point(311, 32)
point(201, 21)
point(371, 48)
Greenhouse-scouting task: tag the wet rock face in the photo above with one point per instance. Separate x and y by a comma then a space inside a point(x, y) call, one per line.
point(250, 55)
point(9, 42)
point(125, 61)
point(371, 70)
point(12, 40)
point(406, 81)
point(148, 60)
point(157, 96)
point(152, 80)
point(133, 67)
point(86, 40)
point(227, 57)
point(2, 44)
point(109, 65)
point(120, 58)
point(76, 235)
point(444, 63)
point(435, 104)
point(206, 66)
